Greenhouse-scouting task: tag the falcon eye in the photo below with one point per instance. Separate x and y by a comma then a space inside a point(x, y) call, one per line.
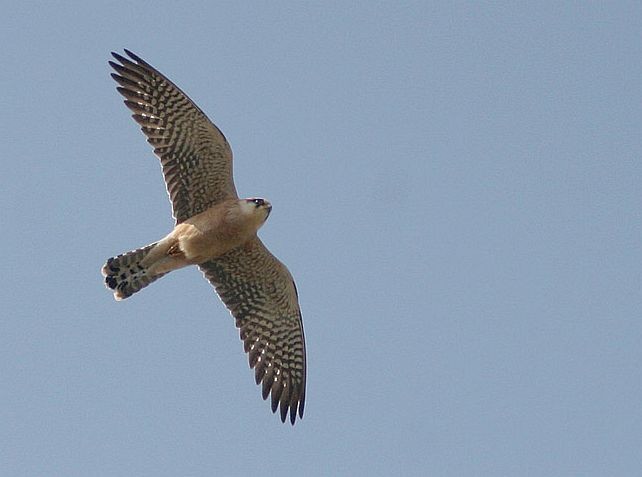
point(258, 202)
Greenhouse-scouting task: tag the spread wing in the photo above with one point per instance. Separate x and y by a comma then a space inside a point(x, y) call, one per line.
point(195, 156)
point(260, 293)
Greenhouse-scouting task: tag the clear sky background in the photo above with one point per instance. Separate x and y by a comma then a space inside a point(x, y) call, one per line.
point(456, 191)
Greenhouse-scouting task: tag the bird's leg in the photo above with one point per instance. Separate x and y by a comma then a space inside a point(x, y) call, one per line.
point(166, 256)
point(175, 250)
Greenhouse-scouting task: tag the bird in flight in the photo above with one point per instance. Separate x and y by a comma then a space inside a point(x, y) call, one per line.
point(216, 231)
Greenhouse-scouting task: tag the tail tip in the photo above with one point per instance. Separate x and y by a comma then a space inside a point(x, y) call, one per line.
point(112, 281)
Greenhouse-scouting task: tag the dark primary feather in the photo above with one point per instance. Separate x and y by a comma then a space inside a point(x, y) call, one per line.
point(260, 293)
point(195, 156)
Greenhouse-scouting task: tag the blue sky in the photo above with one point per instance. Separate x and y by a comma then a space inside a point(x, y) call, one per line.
point(456, 190)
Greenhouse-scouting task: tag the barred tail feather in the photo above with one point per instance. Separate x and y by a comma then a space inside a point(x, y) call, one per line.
point(125, 274)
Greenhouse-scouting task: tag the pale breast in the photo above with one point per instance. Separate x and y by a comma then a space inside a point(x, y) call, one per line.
point(211, 233)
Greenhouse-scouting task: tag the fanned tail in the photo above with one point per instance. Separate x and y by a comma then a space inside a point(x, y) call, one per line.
point(126, 274)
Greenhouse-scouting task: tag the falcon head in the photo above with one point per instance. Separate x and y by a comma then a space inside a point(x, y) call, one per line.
point(256, 207)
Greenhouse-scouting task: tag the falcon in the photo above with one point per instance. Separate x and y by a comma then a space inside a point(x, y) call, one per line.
point(216, 231)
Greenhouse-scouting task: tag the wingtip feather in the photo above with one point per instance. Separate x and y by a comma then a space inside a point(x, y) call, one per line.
point(118, 57)
point(135, 57)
